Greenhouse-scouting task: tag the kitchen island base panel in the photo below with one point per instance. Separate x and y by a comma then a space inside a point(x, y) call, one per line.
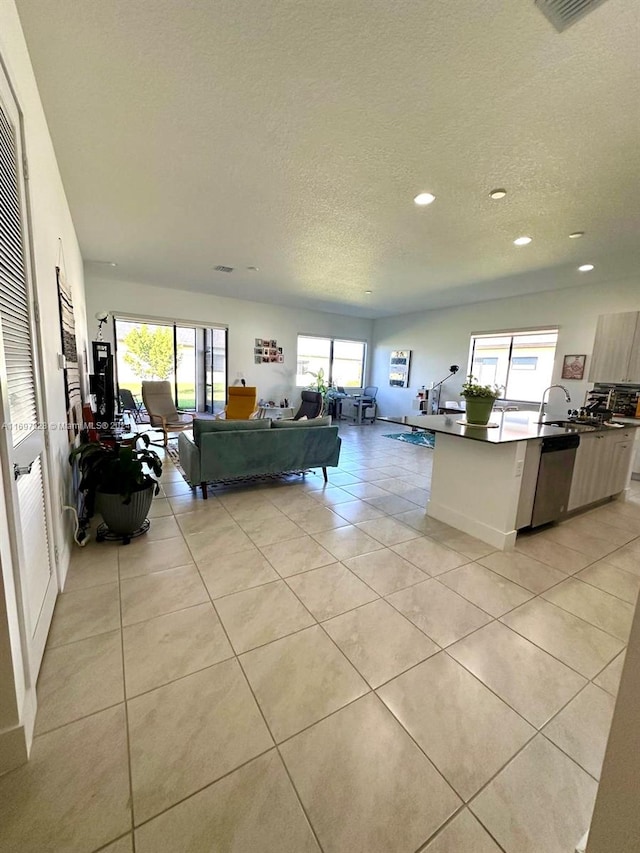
point(498, 539)
point(476, 488)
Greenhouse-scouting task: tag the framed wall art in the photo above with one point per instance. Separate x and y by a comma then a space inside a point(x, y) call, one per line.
point(573, 366)
point(399, 368)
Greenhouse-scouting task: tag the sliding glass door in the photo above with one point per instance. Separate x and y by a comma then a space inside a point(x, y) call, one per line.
point(192, 358)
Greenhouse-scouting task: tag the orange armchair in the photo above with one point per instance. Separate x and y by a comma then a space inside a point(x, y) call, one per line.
point(241, 403)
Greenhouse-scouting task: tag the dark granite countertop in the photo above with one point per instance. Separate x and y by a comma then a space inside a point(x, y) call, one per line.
point(512, 426)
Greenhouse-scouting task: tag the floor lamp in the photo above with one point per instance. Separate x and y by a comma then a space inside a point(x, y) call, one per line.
point(435, 401)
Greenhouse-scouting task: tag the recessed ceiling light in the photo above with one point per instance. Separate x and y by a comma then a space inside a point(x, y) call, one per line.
point(253, 269)
point(367, 292)
point(424, 198)
point(102, 263)
point(586, 267)
point(576, 235)
point(522, 241)
point(498, 193)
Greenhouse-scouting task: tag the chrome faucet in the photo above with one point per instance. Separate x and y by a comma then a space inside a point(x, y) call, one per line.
point(543, 402)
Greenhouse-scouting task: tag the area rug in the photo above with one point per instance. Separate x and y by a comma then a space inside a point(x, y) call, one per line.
point(424, 439)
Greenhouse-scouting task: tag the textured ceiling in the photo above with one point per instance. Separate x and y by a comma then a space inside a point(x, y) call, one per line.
point(292, 135)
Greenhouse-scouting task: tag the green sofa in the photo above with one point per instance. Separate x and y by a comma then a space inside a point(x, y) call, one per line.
point(223, 450)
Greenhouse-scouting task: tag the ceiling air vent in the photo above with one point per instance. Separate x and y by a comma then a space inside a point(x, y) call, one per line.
point(564, 13)
point(220, 268)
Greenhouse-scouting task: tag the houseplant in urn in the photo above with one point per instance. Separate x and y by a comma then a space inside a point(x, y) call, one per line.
point(116, 480)
point(479, 400)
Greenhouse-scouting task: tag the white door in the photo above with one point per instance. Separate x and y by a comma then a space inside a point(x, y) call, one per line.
point(22, 441)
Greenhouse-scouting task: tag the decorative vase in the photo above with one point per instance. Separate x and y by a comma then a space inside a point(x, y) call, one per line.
point(121, 518)
point(478, 410)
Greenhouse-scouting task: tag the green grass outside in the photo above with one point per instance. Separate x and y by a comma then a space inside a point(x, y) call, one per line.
point(186, 393)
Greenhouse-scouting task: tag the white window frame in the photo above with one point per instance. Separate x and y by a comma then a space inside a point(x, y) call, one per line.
point(332, 341)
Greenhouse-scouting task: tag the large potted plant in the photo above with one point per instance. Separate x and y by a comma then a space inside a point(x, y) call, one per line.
point(320, 385)
point(117, 482)
point(479, 400)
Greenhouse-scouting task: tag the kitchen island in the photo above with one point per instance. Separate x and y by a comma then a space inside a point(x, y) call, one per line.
point(485, 479)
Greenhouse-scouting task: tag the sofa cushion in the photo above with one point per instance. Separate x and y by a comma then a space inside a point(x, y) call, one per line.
point(202, 425)
point(301, 424)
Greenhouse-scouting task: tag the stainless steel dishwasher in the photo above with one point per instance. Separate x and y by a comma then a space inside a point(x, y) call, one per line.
point(557, 458)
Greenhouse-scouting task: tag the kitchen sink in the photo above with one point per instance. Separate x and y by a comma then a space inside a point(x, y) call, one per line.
point(569, 426)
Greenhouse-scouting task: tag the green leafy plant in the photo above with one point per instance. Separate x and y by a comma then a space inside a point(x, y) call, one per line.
point(472, 388)
point(150, 353)
point(319, 385)
point(117, 469)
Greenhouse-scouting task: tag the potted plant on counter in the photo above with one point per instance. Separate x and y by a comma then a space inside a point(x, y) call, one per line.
point(479, 400)
point(117, 482)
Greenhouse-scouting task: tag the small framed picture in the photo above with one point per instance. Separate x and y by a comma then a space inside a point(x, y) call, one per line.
point(257, 351)
point(280, 359)
point(257, 359)
point(265, 359)
point(273, 344)
point(265, 351)
point(258, 343)
point(573, 366)
point(279, 350)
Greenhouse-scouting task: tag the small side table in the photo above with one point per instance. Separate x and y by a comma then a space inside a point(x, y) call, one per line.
point(275, 413)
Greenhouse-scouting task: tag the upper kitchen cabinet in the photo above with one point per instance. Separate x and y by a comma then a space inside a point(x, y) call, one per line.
point(616, 349)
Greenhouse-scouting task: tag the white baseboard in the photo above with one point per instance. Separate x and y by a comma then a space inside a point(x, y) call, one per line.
point(490, 535)
point(15, 743)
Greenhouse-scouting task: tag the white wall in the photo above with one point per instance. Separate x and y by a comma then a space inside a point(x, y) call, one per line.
point(246, 321)
point(441, 338)
point(54, 243)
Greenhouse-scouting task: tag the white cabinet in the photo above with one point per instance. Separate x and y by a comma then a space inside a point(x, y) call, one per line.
point(602, 466)
point(616, 349)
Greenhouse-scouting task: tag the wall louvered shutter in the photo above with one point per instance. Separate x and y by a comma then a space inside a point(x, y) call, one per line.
point(14, 300)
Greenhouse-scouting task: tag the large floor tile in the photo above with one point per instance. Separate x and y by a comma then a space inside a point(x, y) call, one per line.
point(160, 508)
point(189, 733)
point(365, 491)
point(317, 519)
point(122, 845)
point(463, 727)
point(345, 542)
point(331, 590)
point(160, 592)
point(490, 591)
point(297, 555)
point(430, 556)
point(152, 556)
point(235, 572)
point(582, 728)
point(590, 545)
point(461, 542)
point(255, 808)
point(332, 496)
point(78, 679)
point(593, 525)
point(267, 531)
point(523, 570)
point(606, 612)
point(365, 785)
point(463, 835)
point(385, 571)
point(609, 678)
point(609, 578)
point(356, 510)
point(208, 546)
point(257, 616)
point(529, 680)
point(165, 527)
point(300, 679)
point(85, 613)
point(173, 645)
point(627, 557)
point(541, 802)
point(379, 641)
point(388, 530)
point(428, 526)
point(557, 556)
point(575, 642)
point(73, 794)
point(390, 504)
point(92, 565)
point(207, 518)
point(442, 614)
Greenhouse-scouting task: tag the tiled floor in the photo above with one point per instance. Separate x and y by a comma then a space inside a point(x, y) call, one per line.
point(293, 667)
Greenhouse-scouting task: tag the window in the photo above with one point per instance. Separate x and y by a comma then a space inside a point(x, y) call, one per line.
point(520, 362)
point(342, 361)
